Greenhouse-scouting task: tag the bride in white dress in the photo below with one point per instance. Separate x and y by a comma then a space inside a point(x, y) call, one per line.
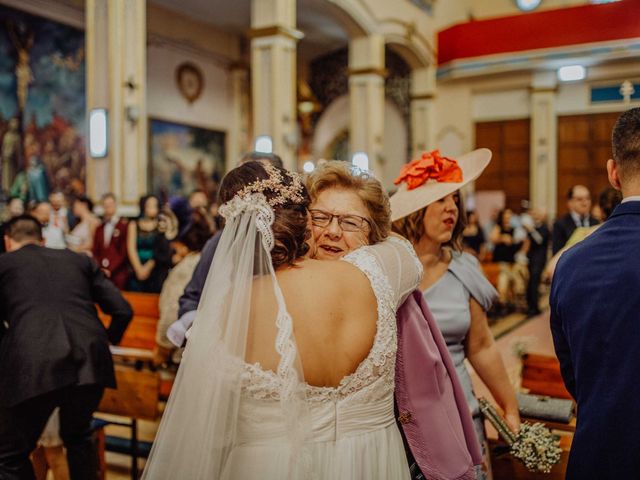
point(289, 366)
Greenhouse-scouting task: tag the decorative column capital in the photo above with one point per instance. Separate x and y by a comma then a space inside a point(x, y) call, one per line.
point(382, 72)
point(276, 31)
point(366, 53)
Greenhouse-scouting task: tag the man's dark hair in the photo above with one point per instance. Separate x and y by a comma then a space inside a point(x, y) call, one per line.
point(23, 227)
point(197, 232)
point(275, 160)
point(625, 142)
point(110, 195)
point(608, 200)
point(197, 190)
point(86, 200)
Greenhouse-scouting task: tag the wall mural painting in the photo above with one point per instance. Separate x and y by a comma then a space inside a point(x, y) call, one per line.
point(42, 107)
point(184, 158)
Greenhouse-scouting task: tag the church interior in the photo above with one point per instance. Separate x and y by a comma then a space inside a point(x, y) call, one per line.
point(132, 98)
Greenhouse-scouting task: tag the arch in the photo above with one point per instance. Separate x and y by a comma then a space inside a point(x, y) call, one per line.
point(415, 57)
point(353, 16)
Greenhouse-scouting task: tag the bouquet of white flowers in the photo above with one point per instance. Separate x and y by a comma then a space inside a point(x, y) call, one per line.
point(534, 445)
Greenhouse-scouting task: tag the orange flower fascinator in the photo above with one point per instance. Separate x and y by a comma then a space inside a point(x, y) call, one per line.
point(429, 166)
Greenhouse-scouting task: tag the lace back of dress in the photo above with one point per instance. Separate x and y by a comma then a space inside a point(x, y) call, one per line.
point(200, 425)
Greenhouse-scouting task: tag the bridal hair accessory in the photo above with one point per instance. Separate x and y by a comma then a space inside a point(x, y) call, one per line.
point(252, 199)
point(534, 444)
point(275, 183)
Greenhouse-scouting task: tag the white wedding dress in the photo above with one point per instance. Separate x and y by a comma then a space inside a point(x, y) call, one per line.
point(227, 419)
point(353, 429)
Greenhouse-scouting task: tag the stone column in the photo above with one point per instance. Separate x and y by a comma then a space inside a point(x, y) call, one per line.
point(273, 75)
point(544, 132)
point(366, 102)
point(116, 80)
point(423, 90)
point(239, 130)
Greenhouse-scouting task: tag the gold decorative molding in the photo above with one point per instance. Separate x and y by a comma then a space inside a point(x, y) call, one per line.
point(383, 72)
point(276, 30)
point(423, 96)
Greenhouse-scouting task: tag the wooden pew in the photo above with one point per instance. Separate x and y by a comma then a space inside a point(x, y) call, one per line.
point(141, 332)
point(136, 398)
point(541, 376)
point(139, 385)
point(491, 271)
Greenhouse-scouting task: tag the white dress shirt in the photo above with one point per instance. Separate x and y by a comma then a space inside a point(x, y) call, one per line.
point(109, 227)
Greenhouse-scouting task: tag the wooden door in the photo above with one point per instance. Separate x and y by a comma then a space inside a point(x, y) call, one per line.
point(584, 146)
point(509, 167)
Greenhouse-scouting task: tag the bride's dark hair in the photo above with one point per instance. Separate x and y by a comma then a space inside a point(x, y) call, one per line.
point(290, 225)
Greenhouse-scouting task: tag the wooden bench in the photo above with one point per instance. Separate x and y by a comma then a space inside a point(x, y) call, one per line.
point(140, 336)
point(139, 385)
point(492, 272)
point(541, 376)
point(136, 398)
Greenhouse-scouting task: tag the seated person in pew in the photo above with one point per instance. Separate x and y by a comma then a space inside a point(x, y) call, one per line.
point(188, 248)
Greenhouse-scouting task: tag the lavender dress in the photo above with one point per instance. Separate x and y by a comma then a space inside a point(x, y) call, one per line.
point(448, 300)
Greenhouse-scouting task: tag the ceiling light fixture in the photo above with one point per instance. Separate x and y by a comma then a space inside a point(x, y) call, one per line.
point(572, 73)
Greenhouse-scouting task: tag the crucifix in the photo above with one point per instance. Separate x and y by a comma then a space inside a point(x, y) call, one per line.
point(626, 90)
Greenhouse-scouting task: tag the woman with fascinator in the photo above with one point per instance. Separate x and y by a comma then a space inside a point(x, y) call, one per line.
point(428, 210)
point(289, 367)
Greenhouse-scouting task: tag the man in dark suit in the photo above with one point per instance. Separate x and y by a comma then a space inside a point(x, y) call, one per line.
point(538, 233)
point(54, 350)
point(579, 203)
point(110, 243)
point(595, 314)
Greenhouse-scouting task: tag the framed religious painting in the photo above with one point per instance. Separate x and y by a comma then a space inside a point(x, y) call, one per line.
point(42, 107)
point(183, 158)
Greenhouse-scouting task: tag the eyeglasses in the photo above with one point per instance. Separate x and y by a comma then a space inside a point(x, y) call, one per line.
point(348, 223)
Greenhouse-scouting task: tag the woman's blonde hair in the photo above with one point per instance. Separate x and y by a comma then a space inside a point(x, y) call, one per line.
point(339, 174)
point(411, 227)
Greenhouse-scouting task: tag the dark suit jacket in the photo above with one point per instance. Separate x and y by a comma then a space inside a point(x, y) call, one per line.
point(595, 321)
point(54, 337)
point(113, 257)
point(193, 291)
point(562, 230)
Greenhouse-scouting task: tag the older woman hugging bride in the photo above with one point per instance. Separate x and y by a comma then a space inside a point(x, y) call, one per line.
point(285, 375)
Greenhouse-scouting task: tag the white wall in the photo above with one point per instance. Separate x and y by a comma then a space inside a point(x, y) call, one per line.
point(453, 122)
point(213, 109)
point(501, 105)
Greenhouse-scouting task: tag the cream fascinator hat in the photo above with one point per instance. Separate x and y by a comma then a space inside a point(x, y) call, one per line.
point(432, 177)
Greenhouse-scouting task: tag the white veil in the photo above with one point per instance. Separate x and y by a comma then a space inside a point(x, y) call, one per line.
point(199, 428)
